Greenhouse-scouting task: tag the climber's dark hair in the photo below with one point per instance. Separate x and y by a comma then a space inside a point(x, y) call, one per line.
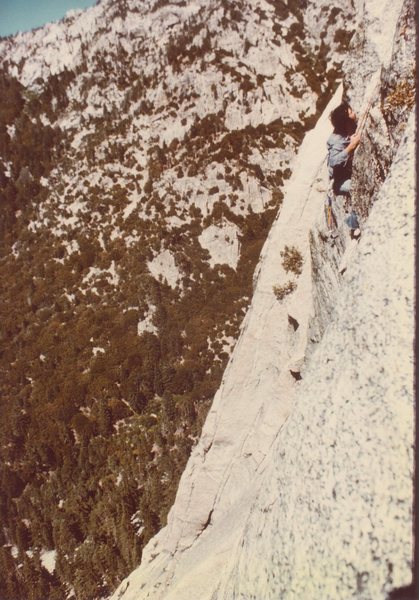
point(340, 118)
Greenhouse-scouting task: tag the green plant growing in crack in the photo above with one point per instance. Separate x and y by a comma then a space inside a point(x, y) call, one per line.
point(402, 96)
point(281, 291)
point(292, 260)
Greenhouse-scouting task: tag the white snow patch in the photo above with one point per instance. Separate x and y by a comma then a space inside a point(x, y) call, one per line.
point(98, 350)
point(11, 130)
point(138, 523)
point(15, 250)
point(8, 168)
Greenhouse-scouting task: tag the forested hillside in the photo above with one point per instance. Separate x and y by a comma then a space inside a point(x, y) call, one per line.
point(143, 149)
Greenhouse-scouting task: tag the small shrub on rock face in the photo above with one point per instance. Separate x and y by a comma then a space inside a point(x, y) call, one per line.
point(281, 291)
point(403, 96)
point(292, 260)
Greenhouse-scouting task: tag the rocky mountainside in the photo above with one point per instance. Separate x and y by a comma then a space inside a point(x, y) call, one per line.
point(144, 147)
point(301, 486)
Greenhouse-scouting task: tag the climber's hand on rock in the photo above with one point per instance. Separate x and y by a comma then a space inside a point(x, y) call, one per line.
point(355, 139)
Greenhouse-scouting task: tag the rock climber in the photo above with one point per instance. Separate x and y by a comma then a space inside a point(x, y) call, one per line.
point(340, 149)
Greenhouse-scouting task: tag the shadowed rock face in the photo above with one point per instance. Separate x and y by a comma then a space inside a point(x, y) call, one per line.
point(304, 489)
point(390, 99)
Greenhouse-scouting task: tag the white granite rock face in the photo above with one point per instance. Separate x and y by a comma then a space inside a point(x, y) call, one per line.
point(303, 490)
point(185, 559)
point(333, 517)
point(163, 266)
point(222, 243)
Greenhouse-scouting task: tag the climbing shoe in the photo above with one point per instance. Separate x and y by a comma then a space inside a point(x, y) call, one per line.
point(352, 221)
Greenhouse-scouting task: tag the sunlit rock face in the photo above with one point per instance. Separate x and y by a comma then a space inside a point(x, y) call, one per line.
point(144, 150)
point(333, 514)
point(301, 487)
